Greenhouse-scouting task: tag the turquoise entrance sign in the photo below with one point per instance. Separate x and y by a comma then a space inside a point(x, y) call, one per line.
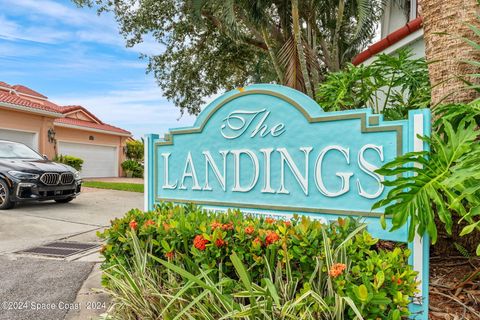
point(269, 149)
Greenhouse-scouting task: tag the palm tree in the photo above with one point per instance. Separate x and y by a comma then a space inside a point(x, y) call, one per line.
point(445, 25)
point(451, 57)
point(304, 39)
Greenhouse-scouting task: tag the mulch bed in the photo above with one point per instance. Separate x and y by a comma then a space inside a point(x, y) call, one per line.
point(454, 288)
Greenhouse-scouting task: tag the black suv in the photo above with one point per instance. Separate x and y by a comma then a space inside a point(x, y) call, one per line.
point(25, 176)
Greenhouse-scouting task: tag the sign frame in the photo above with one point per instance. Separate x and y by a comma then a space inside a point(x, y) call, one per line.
point(407, 140)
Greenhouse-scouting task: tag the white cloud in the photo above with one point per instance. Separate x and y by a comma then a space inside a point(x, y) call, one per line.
point(74, 60)
point(55, 42)
point(10, 30)
point(14, 50)
point(68, 14)
point(76, 25)
point(104, 37)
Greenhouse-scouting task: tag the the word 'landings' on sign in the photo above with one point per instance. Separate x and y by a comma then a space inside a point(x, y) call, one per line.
point(269, 149)
point(241, 122)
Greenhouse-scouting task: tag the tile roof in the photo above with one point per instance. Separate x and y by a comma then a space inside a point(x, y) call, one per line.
point(52, 105)
point(26, 90)
point(12, 98)
point(92, 125)
point(389, 40)
point(68, 109)
point(5, 85)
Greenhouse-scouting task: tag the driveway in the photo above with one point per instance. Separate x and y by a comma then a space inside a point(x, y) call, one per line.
point(47, 287)
point(35, 223)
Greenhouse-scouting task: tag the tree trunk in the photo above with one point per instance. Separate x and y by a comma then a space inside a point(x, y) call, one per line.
point(444, 25)
point(297, 34)
point(273, 56)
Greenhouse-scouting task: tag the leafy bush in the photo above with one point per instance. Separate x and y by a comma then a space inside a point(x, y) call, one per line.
point(446, 188)
point(132, 168)
point(202, 243)
point(392, 85)
point(143, 292)
point(443, 181)
point(135, 150)
point(129, 165)
point(73, 162)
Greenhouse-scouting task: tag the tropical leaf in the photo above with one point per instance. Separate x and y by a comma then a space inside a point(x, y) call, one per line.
point(442, 181)
point(392, 85)
point(455, 112)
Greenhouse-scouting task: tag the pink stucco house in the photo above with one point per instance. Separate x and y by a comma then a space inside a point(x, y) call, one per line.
point(29, 117)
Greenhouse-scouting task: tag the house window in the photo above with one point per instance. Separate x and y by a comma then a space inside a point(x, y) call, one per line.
point(396, 15)
point(91, 138)
point(414, 9)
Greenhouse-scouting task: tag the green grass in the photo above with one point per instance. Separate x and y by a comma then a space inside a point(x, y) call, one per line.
point(123, 186)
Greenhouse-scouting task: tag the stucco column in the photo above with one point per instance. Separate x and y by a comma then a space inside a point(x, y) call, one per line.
point(45, 147)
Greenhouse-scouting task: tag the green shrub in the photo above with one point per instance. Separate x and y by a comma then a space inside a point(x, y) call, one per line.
point(135, 150)
point(379, 282)
point(391, 85)
point(448, 183)
point(73, 162)
point(133, 168)
point(173, 292)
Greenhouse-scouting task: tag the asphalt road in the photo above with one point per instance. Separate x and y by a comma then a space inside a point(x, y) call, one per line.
point(38, 288)
point(46, 288)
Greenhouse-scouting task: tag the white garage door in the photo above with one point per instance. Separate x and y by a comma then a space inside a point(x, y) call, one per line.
point(98, 161)
point(27, 138)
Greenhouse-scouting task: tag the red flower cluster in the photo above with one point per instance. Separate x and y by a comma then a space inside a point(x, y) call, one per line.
point(133, 224)
point(337, 269)
point(227, 226)
point(170, 255)
point(216, 225)
point(288, 224)
point(270, 220)
point(148, 223)
point(220, 242)
point(166, 226)
point(249, 230)
point(200, 242)
point(272, 237)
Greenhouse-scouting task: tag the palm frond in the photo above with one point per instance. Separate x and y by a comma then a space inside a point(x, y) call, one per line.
point(288, 58)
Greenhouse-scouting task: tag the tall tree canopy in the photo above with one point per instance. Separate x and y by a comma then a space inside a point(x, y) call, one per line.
point(213, 45)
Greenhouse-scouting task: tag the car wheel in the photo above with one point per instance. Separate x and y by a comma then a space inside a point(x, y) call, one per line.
point(66, 200)
point(5, 202)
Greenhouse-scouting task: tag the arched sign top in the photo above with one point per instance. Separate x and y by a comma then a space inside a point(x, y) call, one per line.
point(307, 107)
point(269, 149)
point(292, 96)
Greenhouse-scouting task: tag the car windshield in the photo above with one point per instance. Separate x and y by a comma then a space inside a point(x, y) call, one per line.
point(12, 150)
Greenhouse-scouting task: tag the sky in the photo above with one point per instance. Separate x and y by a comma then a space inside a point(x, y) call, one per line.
point(75, 57)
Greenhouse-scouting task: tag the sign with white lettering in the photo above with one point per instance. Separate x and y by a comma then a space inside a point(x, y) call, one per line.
point(271, 149)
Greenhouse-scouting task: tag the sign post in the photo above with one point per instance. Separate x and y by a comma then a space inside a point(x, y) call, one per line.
point(270, 149)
